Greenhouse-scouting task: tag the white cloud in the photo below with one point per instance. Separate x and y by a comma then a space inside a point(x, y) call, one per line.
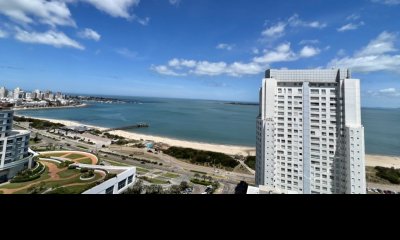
point(255, 51)
point(3, 34)
point(126, 53)
point(353, 17)
point(225, 46)
point(305, 42)
point(115, 8)
point(88, 33)
point(295, 21)
point(309, 51)
point(350, 26)
point(279, 29)
point(384, 43)
point(388, 90)
point(387, 2)
point(144, 21)
point(46, 12)
point(341, 52)
point(179, 63)
point(52, 37)
point(164, 70)
point(175, 2)
point(376, 56)
point(276, 31)
point(282, 53)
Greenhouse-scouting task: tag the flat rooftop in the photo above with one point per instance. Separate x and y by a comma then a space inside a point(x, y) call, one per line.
point(312, 75)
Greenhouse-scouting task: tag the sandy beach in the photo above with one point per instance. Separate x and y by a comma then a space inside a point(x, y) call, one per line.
point(227, 149)
point(382, 161)
point(371, 160)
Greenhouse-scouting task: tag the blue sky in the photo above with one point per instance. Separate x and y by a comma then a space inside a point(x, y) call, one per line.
point(204, 49)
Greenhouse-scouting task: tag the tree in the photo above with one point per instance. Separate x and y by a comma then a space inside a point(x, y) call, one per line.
point(183, 186)
point(197, 176)
point(154, 189)
point(137, 188)
point(204, 177)
point(241, 188)
point(36, 139)
point(175, 189)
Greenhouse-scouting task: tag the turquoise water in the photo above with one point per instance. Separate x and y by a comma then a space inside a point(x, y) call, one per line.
point(212, 121)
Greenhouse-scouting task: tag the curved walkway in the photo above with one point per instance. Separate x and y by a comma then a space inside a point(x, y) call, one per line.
point(85, 155)
point(53, 170)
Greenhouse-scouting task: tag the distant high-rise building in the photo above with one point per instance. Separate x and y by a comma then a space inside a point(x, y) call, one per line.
point(3, 92)
point(10, 94)
point(28, 96)
point(17, 93)
point(14, 147)
point(309, 134)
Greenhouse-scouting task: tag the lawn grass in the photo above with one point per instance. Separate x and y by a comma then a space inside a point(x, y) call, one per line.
point(155, 180)
point(52, 155)
point(60, 183)
point(142, 170)
point(75, 156)
point(83, 147)
point(118, 164)
point(68, 173)
point(1, 192)
point(45, 176)
point(157, 173)
point(171, 175)
point(70, 190)
point(85, 161)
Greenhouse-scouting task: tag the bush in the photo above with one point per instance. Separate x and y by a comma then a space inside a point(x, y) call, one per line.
point(202, 157)
point(88, 174)
point(39, 124)
point(110, 176)
point(390, 174)
point(251, 162)
point(65, 164)
point(29, 175)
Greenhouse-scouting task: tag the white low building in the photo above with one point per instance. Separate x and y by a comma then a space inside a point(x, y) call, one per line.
point(125, 178)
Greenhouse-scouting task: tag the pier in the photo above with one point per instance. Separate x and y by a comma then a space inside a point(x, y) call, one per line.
point(138, 125)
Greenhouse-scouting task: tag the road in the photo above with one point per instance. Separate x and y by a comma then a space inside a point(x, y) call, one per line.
point(228, 179)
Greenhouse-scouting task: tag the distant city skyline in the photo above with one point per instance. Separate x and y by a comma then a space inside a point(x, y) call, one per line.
point(215, 50)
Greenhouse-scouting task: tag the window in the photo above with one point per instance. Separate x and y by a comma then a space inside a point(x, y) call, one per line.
point(121, 184)
point(130, 179)
point(110, 190)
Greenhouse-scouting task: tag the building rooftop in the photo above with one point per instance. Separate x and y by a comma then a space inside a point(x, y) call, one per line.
point(312, 75)
point(18, 132)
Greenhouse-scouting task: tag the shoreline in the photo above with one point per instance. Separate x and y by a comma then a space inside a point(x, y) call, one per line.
point(371, 160)
point(49, 108)
point(227, 149)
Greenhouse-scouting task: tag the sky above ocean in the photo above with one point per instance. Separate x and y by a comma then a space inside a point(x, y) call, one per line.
point(202, 49)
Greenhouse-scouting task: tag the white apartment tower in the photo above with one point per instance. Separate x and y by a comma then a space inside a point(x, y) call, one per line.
point(310, 138)
point(15, 155)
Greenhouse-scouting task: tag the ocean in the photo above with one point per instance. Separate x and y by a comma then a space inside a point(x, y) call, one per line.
point(212, 121)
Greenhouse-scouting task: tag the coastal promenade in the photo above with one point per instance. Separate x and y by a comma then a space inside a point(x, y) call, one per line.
point(371, 160)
